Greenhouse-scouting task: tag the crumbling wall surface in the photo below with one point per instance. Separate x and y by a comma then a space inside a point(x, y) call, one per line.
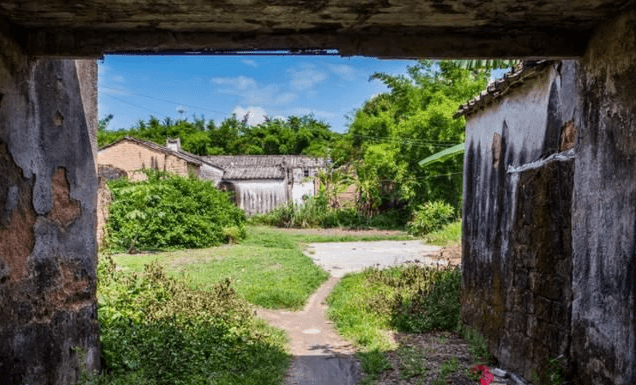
point(47, 221)
point(604, 211)
point(518, 182)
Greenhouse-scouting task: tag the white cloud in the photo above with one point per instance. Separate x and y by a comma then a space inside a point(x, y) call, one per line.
point(344, 71)
point(251, 93)
point(240, 82)
point(250, 63)
point(255, 115)
point(306, 76)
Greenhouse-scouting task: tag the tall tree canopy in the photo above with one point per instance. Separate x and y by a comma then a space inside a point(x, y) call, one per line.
point(393, 131)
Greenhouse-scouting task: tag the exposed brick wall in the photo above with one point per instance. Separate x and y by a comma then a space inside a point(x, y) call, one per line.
point(131, 157)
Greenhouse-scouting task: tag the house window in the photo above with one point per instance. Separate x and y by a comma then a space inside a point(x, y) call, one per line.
point(306, 172)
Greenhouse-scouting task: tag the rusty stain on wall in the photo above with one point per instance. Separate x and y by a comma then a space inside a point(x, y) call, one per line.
point(568, 136)
point(16, 219)
point(65, 209)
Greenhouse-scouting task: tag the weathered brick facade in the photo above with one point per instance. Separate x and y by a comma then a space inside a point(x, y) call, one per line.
point(133, 157)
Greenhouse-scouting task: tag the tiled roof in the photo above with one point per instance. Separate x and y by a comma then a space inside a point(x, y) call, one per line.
point(243, 161)
point(516, 77)
point(190, 158)
point(235, 173)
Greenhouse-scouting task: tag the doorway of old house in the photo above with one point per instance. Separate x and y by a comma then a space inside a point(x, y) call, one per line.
point(176, 131)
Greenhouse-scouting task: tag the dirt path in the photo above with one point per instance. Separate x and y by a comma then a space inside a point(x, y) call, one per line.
point(321, 357)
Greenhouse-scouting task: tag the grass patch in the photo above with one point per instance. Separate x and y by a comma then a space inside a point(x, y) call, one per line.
point(155, 329)
point(372, 364)
point(447, 368)
point(268, 268)
point(260, 234)
point(367, 306)
point(448, 236)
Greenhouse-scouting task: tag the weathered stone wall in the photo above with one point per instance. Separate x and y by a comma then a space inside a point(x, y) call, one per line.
point(47, 221)
point(604, 211)
point(517, 220)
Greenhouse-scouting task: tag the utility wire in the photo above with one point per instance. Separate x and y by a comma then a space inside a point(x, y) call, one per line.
point(136, 105)
point(161, 100)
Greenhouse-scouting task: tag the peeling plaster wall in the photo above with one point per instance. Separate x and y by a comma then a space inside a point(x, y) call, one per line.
point(47, 219)
point(604, 212)
point(517, 220)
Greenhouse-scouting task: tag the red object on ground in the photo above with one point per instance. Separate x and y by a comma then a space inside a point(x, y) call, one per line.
point(486, 378)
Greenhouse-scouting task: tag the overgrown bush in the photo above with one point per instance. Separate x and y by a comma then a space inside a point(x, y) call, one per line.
point(408, 298)
point(315, 212)
point(168, 212)
point(155, 329)
point(429, 217)
point(434, 306)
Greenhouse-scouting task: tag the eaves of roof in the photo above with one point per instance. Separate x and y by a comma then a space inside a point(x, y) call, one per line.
point(190, 158)
point(519, 75)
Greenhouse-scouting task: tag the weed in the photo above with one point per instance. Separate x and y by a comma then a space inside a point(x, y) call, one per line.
point(372, 364)
point(448, 367)
point(442, 339)
point(435, 305)
point(477, 345)
point(412, 361)
point(556, 376)
point(155, 329)
point(409, 298)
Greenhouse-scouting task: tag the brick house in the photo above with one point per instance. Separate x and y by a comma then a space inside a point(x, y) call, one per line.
point(259, 182)
point(128, 156)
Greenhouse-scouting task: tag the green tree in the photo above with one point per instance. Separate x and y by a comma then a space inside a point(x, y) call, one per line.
point(393, 131)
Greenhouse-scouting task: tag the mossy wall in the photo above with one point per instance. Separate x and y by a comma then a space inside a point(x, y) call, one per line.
point(518, 186)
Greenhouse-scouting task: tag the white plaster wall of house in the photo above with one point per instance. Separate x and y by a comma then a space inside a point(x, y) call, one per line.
point(302, 183)
point(517, 218)
point(211, 173)
point(258, 196)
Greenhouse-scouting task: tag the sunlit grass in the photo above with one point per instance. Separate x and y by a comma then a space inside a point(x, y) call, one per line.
point(268, 268)
point(448, 236)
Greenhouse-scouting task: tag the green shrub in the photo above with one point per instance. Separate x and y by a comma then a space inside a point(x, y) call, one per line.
point(433, 306)
point(429, 217)
point(411, 298)
point(315, 212)
point(168, 212)
point(155, 329)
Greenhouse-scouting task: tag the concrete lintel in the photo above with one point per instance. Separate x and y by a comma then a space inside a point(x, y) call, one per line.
point(414, 43)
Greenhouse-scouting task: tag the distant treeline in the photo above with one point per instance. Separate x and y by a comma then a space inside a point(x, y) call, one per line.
point(296, 135)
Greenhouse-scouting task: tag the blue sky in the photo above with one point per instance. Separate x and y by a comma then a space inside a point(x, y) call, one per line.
point(329, 87)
